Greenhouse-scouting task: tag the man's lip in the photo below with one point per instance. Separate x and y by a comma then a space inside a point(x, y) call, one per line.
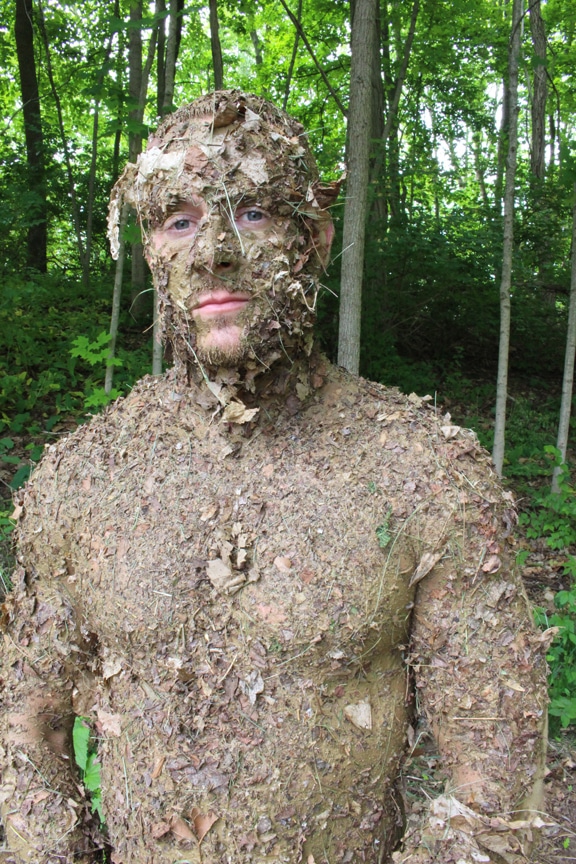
point(219, 303)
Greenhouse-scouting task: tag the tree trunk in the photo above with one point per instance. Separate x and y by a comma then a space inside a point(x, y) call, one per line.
point(138, 266)
point(94, 148)
point(502, 144)
point(216, 47)
point(67, 158)
point(161, 61)
point(359, 127)
point(172, 48)
point(135, 79)
point(508, 245)
point(292, 58)
point(36, 256)
point(568, 379)
point(257, 45)
point(391, 94)
point(538, 107)
point(116, 297)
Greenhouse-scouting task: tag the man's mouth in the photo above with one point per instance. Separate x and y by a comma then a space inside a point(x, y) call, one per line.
point(219, 303)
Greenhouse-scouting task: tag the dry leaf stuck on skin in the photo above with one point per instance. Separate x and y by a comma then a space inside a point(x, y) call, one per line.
point(236, 412)
point(360, 715)
point(110, 723)
point(181, 829)
point(202, 822)
point(427, 562)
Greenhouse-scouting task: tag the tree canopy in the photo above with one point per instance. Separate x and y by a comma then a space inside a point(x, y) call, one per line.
point(83, 83)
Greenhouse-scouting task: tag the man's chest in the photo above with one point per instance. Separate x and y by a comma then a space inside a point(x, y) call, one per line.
point(301, 537)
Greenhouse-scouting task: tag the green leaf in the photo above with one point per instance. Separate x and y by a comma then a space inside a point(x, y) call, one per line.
point(92, 774)
point(80, 739)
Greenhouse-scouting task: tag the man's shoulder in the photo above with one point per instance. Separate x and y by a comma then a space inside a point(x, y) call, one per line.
point(408, 432)
point(151, 398)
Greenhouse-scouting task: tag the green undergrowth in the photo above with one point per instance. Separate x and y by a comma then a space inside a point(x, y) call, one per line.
point(552, 517)
point(86, 757)
point(53, 350)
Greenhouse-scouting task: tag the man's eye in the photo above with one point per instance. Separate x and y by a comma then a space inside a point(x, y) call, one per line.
point(181, 224)
point(253, 215)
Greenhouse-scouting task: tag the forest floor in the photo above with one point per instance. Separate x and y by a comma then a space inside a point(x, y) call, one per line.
point(544, 577)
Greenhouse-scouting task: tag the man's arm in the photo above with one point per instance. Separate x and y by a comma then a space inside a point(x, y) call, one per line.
point(42, 807)
point(480, 677)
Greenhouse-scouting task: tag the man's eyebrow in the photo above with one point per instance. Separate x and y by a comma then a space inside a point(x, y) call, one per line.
point(181, 203)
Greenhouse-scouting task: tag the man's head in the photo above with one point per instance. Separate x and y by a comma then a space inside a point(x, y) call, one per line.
point(235, 228)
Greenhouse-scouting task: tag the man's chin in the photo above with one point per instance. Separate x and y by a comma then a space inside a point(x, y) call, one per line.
point(222, 346)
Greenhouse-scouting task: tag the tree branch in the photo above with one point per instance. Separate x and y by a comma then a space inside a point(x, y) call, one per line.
point(302, 35)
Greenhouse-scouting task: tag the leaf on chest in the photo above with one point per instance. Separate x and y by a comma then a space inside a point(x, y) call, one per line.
point(223, 578)
point(360, 715)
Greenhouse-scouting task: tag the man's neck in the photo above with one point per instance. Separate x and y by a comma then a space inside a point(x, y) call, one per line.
point(249, 392)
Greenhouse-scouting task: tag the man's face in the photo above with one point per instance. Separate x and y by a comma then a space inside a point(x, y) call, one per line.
point(230, 263)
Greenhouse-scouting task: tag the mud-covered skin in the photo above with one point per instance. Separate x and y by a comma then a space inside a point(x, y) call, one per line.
point(233, 150)
point(226, 570)
point(242, 705)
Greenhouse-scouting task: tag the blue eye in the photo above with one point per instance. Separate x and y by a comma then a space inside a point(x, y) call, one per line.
point(254, 215)
point(181, 224)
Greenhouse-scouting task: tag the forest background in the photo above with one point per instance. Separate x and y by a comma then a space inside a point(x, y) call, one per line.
point(466, 115)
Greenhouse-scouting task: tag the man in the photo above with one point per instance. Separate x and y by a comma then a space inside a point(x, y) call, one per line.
point(226, 571)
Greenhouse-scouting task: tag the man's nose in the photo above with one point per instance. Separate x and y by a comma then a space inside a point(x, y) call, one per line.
point(218, 248)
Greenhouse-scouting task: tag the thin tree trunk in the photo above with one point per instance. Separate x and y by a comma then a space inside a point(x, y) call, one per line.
point(257, 45)
point(172, 46)
point(364, 31)
point(310, 50)
point(501, 157)
point(478, 169)
point(135, 78)
point(292, 58)
point(399, 84)
point(568, 378)
point(94, 150)
point(67, 159)
point(135, 92)
point(217, 64)
point(37, 233)
point(508, 244)
point(161, 62)
point(116, 297)
point(388, 145)
point(157, 348)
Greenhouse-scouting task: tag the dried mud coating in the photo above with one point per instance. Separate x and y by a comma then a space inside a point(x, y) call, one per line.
point(230, 606)
point(232, 150)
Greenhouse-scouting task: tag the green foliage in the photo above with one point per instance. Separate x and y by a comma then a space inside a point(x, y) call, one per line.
point(86, 757)
point(553, 517)
point(383, 533)
point(95, 353)
point(562, 659)
point(49, 373)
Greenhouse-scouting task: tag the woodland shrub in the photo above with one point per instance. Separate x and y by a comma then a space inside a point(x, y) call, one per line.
point(553, 517)
point(47, 371)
